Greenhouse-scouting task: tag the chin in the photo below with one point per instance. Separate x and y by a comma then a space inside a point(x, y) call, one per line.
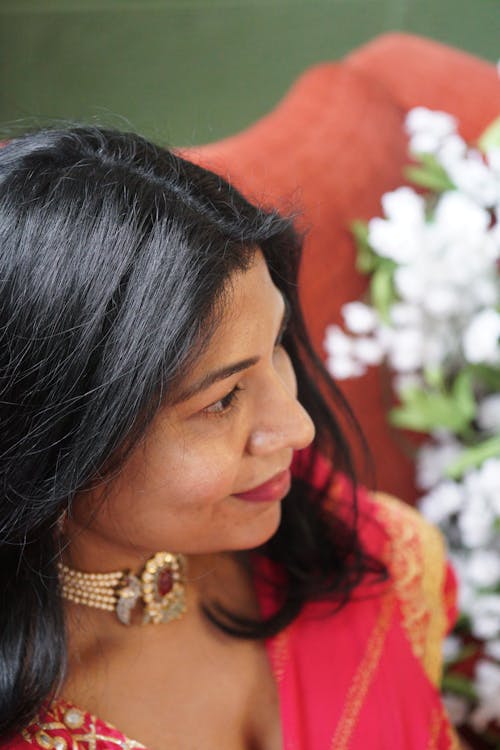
point(260, 530)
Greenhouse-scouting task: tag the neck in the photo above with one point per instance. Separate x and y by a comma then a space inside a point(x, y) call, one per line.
point(218, 577)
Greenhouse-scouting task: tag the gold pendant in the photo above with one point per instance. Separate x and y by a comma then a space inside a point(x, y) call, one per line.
point(163, 591)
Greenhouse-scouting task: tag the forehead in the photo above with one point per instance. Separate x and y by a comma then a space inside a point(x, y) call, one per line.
point(251, 309)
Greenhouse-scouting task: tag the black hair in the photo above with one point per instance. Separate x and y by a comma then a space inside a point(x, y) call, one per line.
point(114, 254)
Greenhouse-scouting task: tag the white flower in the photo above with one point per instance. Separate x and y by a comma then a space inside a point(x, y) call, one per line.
point(483, 568)
point(486, 616)
point(420, 119)
point(443, 301)
point(485, 483)
point(404, 206)
point(341, 362)
point(457, 708)
point(406, 349)
point(480, 338)
point(434, 458)
point(452, 646)
point(488, 689)
point(466, 593)
point(492, 648)
point(359, 318)
point(393, 240)
point(336, 343)
point(459, 218)
point(348, 356)
point(427, 129)
point(475, 522)
point(442, 502)
point(472, 177)
point(495, 230)
point(343, 367)
point(488, 675)
point(399, 236)
point(405, 381)
point(410, 283)
point(481, 506)
point(368, 351)
point(466, 596)
point(493, 159)
point(484, 291)
point(488, 413)
point(403, 314)
point(452, 273)
point(451, 149)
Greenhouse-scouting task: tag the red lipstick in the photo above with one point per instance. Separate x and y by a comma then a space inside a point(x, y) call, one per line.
point(274, 489)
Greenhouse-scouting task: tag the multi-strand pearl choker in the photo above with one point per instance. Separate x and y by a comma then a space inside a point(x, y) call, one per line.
point(159, 587)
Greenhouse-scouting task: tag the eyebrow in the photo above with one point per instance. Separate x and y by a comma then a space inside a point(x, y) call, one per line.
point(225, 372)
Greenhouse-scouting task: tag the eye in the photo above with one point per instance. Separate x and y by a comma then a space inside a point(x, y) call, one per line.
point(225, 404)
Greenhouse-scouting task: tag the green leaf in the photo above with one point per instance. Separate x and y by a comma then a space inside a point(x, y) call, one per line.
point(434, 377)
point(425, 410)
point(366, 258)
point(429, 161)
point(489, 376)
point(382, 289)
point(490, 137)
point(431, 165)
point(474, 457)
point(359, 229)
point(430, 179)
point(459, 685)
point(463, 624)
point(463, 395)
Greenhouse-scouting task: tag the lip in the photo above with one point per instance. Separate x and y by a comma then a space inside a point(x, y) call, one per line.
point(274, 489)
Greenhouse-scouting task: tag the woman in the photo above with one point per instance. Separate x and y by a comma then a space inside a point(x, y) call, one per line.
point(163, 570)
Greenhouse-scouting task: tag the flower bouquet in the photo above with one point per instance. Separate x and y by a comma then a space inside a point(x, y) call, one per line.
point(432, 318)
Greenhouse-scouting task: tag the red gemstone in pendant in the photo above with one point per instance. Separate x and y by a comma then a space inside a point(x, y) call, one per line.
point(165, 581)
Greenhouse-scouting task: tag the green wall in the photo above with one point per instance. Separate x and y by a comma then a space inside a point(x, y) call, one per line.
point(190, 72)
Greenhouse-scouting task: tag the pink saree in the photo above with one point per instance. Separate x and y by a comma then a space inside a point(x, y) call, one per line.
point(365, 678)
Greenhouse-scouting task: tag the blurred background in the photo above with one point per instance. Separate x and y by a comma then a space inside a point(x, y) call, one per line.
point(188, 72)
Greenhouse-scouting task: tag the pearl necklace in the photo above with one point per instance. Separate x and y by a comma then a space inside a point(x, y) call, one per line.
point(160, 587)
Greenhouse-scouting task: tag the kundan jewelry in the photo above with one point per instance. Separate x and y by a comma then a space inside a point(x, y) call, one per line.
point(159, 586)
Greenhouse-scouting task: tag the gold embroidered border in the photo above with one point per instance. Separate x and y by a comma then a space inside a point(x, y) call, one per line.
point(441, 730)
point(417, 563)
point(364, 675)
point(452, 737)
point(56, 731)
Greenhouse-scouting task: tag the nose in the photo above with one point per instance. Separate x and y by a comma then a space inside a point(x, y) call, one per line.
point(282, 423)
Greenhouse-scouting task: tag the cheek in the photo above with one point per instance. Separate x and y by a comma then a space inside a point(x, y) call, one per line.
point(196, 465)
point(176, 507)
point(178, 478)
point(173, 492)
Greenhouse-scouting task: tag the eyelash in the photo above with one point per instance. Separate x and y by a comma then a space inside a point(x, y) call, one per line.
point(229, 401)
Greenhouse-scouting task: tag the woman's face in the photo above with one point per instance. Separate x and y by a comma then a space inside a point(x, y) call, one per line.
point(228, 434)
